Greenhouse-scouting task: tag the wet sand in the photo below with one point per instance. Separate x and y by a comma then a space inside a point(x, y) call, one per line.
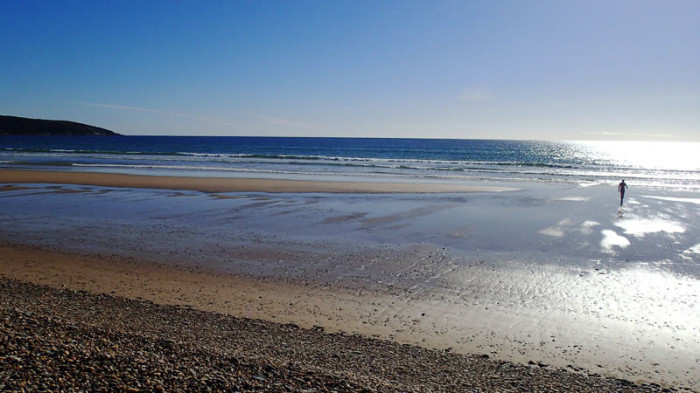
point(394, 317)
point(529, 276)
point(57, 340)
point(215, 184)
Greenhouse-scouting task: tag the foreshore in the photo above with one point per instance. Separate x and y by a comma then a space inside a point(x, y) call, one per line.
point(76, 322)
point(530, 278)
point(228, 184)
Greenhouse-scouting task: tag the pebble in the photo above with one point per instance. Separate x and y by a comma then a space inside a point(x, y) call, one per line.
point(59, 340)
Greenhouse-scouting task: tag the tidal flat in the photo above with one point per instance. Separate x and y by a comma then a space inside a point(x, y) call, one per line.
point(546, 273)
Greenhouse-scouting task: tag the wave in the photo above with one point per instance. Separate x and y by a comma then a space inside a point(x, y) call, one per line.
point(442, 161)
point(373, 164)
point(86, 151)
point(299, 157)
point(402, 163)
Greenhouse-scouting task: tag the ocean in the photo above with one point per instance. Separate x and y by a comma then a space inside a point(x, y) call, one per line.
point(673, 165)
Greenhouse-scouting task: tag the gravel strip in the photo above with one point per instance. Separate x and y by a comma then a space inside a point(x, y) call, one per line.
point(60, 340)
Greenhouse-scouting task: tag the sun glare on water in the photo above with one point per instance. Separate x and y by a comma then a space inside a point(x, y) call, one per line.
point(649, 155)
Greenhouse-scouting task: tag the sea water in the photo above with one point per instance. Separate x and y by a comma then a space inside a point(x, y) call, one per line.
point(673, 165)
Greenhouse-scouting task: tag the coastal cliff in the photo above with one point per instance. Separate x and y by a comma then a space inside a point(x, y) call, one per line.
point(13, 125)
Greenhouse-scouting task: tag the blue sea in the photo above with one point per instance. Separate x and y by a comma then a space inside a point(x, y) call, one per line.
point(673, 165)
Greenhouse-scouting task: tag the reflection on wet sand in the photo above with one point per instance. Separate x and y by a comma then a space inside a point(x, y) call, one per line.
point(611, 240)
point(641, 227)
point(547, 273)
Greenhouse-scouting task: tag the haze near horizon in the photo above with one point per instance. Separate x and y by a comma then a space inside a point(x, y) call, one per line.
point(623, 70)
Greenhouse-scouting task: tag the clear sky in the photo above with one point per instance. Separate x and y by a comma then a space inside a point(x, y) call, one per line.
point(608, 69)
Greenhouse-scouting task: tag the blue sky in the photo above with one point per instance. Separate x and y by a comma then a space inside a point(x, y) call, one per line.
point(452, 69)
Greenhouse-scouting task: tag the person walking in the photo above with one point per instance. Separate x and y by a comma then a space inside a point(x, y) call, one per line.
point(621, 188)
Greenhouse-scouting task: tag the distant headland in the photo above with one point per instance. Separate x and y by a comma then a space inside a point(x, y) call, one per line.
point(13, 125)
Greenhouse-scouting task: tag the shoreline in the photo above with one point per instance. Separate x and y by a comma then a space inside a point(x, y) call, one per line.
point(302, 302)
point(233, 184)
point(145, 300)
point(426, 270)
point(309, 305)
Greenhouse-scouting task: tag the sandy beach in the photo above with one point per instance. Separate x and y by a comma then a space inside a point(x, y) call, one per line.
point(431, 271)
point(246, 354)
point(215, 184)
point(65, 340)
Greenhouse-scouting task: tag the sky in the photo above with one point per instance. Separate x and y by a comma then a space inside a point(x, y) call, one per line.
point(546, 70)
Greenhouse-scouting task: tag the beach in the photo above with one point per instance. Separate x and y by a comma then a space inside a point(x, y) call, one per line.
point(63, 340)
point(549, 278)
point(218, 184)
point(342, 196)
